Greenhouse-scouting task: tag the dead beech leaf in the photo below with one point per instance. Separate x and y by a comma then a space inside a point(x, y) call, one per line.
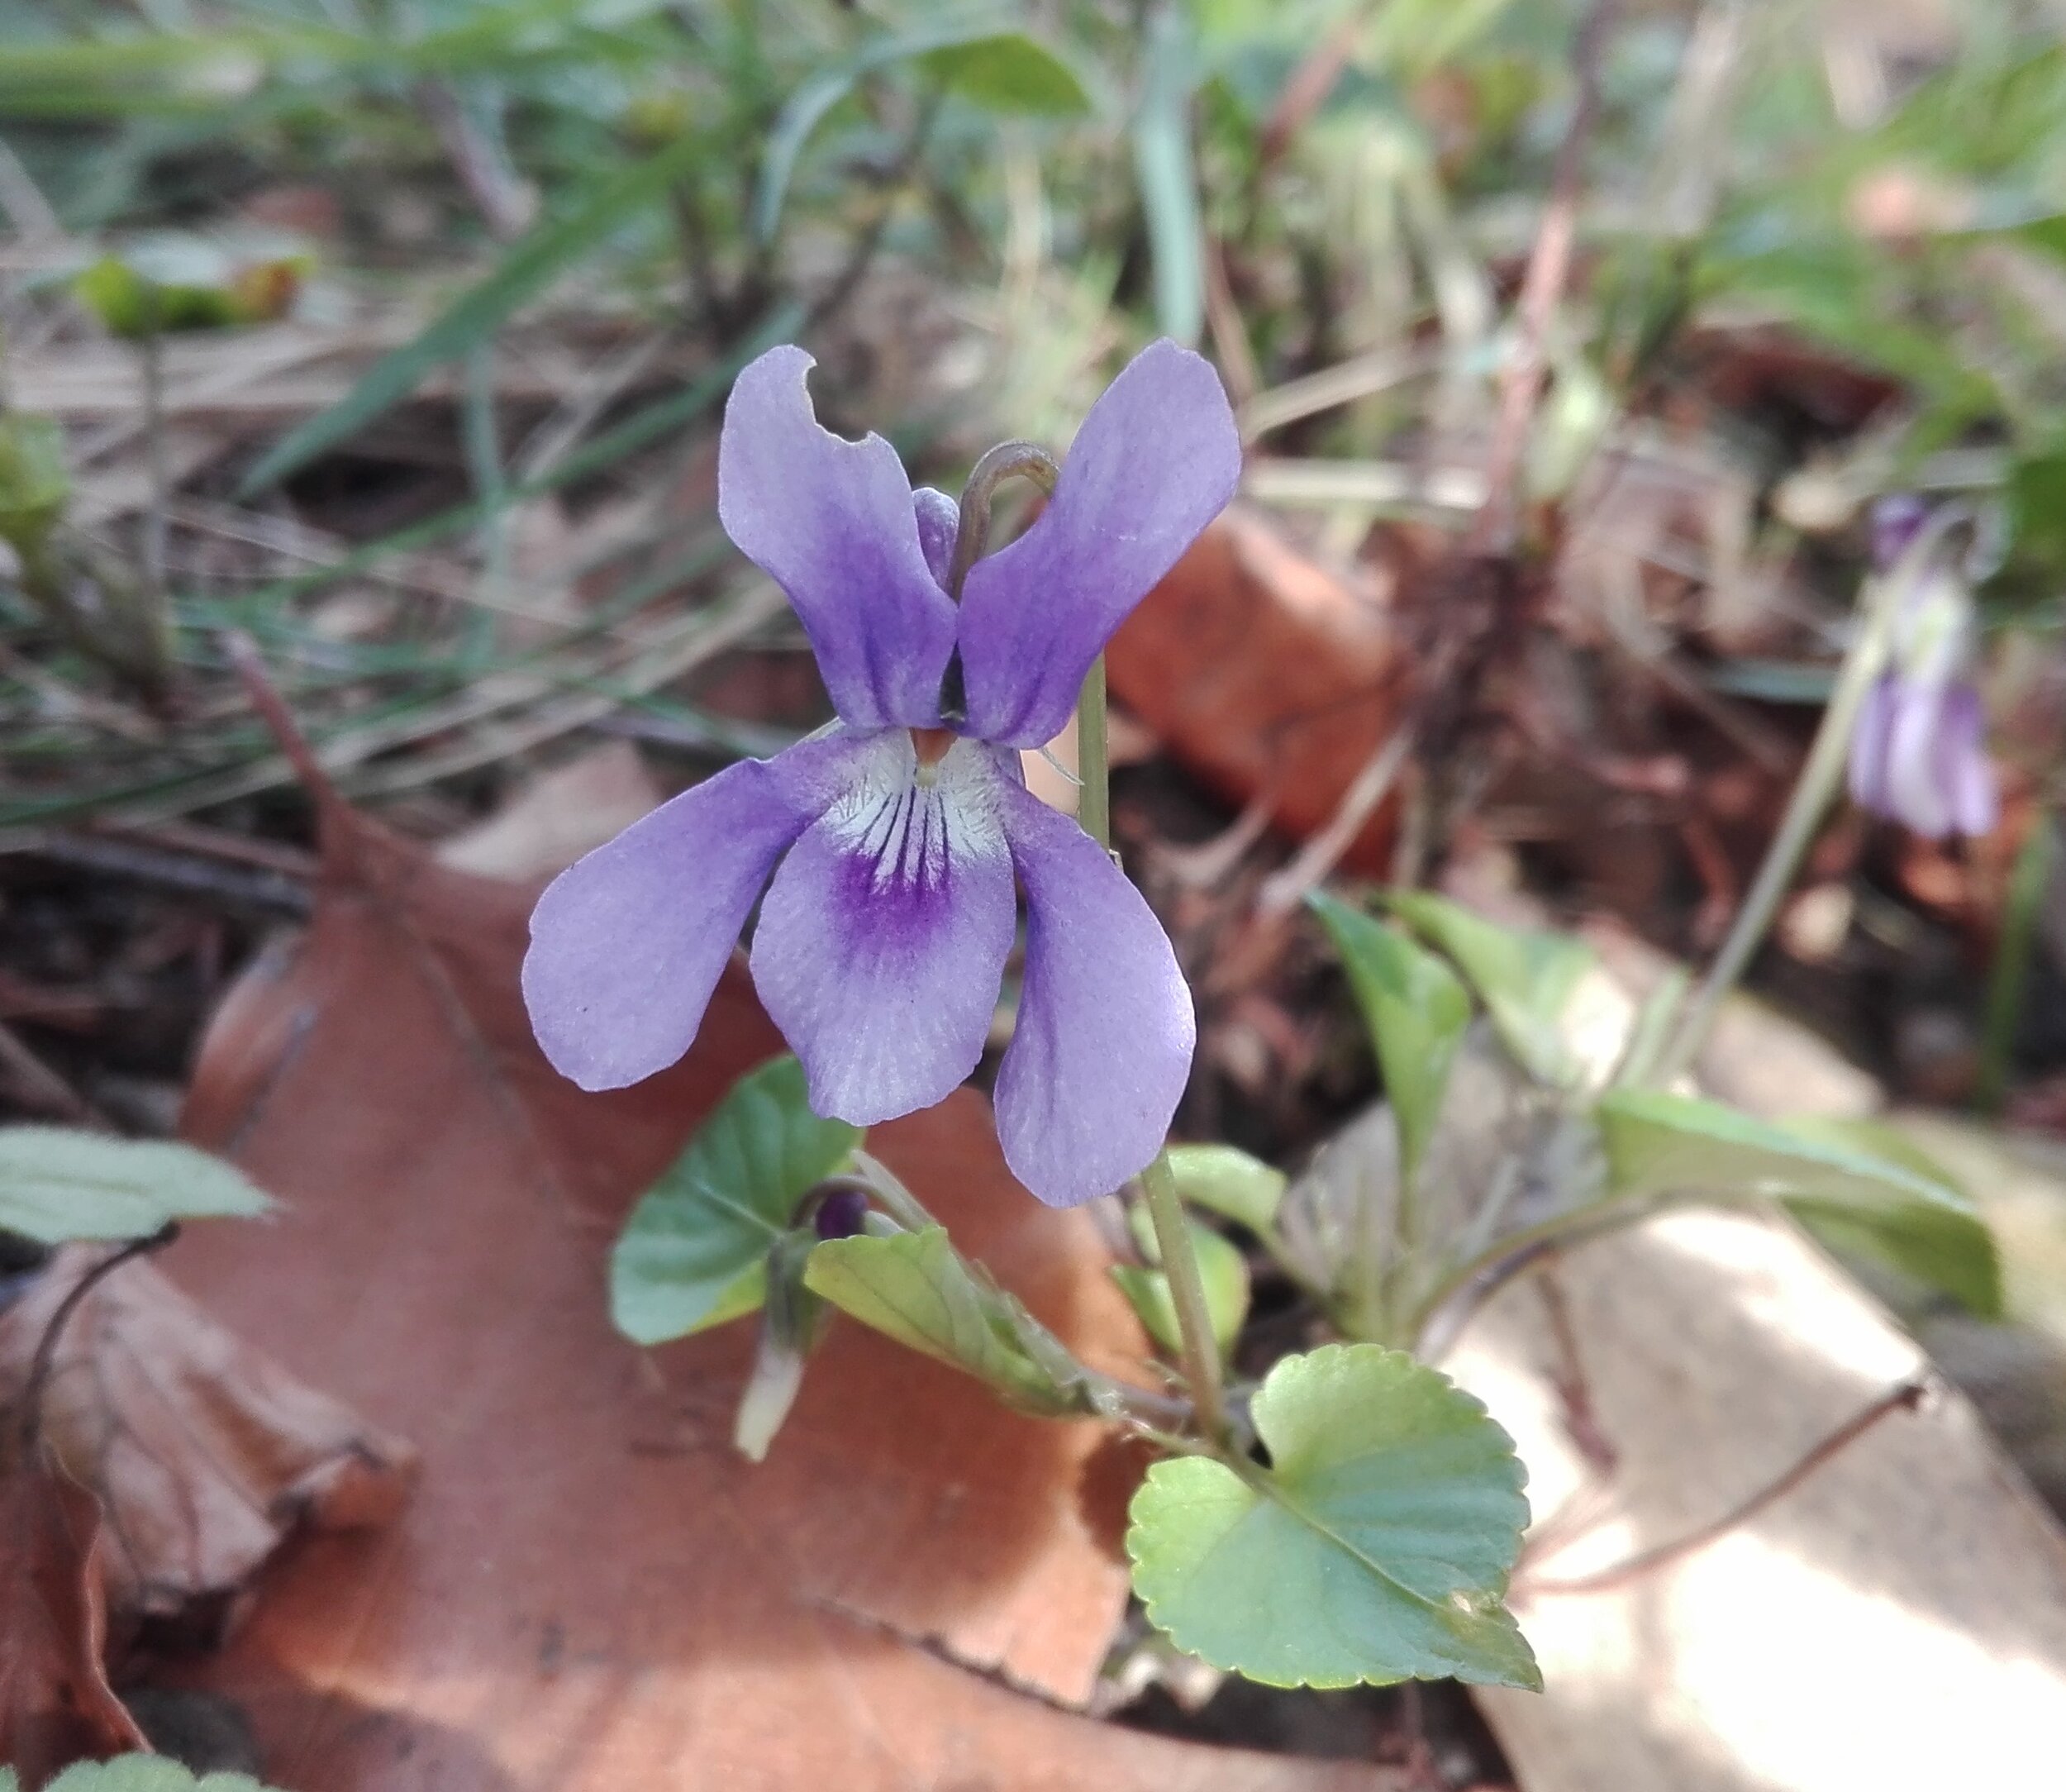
point(205, 1455)
point(1263, 671)
point(55, 1704)
point(590, 1589)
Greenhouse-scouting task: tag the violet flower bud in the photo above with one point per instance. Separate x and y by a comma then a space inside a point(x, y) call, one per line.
point(1919, 748)
point(840, 1211)
point(894, 841)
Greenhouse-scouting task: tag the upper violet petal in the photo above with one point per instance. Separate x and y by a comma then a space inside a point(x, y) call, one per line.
point(832, 522)
point(1155, 461)
point(884, 935)
point(1106, 1028)
point(627, 943)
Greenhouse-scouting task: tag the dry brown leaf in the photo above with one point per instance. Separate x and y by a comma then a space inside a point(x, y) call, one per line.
point(55, 1704)
point(204, 1455)
point(1264, 672)
point(590, 1590)
point(555, 818)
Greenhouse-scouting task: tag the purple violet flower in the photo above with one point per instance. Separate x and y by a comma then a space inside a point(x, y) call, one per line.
point(1919, 749)
point(892, 839)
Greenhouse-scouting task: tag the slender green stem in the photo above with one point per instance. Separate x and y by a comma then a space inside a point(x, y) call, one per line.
point(1093, 808)
point(1201, 1348)
point(1812, 793)
point(1201, 1352)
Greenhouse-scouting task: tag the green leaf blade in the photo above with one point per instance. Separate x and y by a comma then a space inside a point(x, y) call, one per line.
point(1417, 1009)
point(1227, 1181)
point(916, 1289)
point(58, 1186)
point(1375, 1549)
point(693, 1253)
point(1525, 977)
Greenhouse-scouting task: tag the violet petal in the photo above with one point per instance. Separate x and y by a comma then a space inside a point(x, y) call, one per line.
point(1156, 460)
point(1105, 1029)
point(1869, 746)
point(1918, 786)
point(627, 943)
point(884, 935)
point(832, 522)
point(939, 523)
point(1971, 789)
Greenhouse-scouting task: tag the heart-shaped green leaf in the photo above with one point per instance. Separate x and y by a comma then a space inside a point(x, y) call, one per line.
point(1375, 1548)
point(915, 1288)
point(694, 1252)
point(1416, 1010)
point(57, 1186)
point(1228, 1182)
point(1524, 977)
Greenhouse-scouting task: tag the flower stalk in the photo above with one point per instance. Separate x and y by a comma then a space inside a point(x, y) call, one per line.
point(1813, 791)
point(1201, 1348)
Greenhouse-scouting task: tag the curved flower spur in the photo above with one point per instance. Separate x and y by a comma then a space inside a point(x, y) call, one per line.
point(893, 838)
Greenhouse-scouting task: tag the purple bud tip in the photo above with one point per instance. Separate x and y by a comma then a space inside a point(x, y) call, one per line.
point(839, 1214)
point(1896, 519)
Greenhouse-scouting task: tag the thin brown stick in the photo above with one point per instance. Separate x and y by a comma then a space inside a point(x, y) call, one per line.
point(1498, 525)
point(41, 1084)
point(1905, 1398)
point(250, 666)
point(39, 1364)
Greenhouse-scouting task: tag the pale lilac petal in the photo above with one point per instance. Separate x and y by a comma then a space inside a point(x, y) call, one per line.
point(884, 935)
point(1976, 804)
point(939, 523)
point(1156, 460)
point(1102, 1048)
point(627, 943)
point(1918, 791)
point(833, 523)
point(1869, 746)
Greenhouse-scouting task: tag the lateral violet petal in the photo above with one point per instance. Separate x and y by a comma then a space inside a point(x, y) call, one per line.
point(1976, 802)
point(1106, 1028)
point(1156, 460)
point(884, 935)
point(832, 522)
point(1868, 745)
point(627, 943)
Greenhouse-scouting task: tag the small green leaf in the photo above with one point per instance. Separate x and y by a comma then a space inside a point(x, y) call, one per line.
point(1375, 1548)
point(1858, 1186)
point(1660, 1143)
point(1227, 1181)
point(1416, 1010)
point(1221, 1268)
point(36, 482)
point(694, 1251)
point(915, 1288)
point(1009, 72)
point(139, 1773)
point(1524, 977)
point(1943, 1246)
point(56, 1186)
point(172, 282)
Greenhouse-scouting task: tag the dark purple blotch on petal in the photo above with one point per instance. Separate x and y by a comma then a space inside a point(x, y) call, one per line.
point(841, 1210)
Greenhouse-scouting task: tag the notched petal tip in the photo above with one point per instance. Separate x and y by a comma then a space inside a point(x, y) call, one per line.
point(833, 522)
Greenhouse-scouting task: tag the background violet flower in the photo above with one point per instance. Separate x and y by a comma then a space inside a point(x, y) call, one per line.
point(1919, 750)
point(893, 840)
